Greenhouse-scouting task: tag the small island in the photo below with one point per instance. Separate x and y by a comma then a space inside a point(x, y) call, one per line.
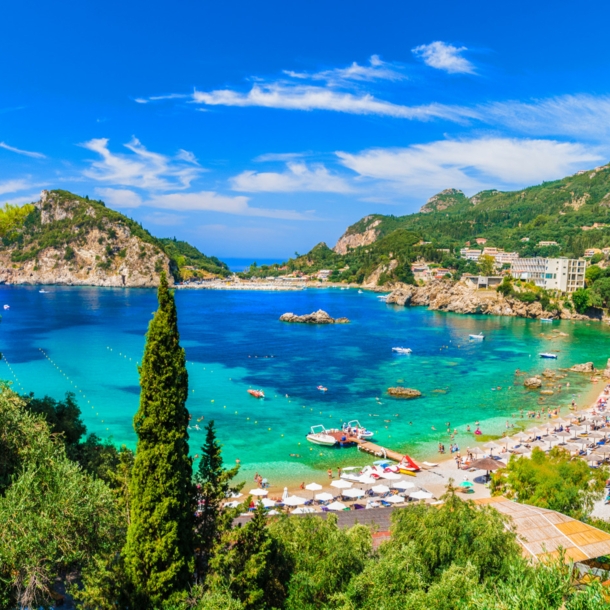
point(317, 317)
point(400, 392)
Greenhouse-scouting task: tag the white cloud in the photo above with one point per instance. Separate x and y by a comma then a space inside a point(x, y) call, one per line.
point(13, 186)
point(308, 97)
point(120, 198)
point(444, 56)
point(21, 200)
point(142, 168)
point(570, 115)
point(278, 157)
point(19, 151)
point(297, 177)
point(164, 220)
point(470, 165)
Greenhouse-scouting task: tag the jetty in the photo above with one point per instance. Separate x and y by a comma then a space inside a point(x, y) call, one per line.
point(364, 445)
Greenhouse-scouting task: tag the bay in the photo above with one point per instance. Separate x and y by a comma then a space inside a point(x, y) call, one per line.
point(89, 341)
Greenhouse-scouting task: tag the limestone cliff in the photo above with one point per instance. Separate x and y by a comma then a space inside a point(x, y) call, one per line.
point(362, 233)
point(74, 241)
point(459, 297)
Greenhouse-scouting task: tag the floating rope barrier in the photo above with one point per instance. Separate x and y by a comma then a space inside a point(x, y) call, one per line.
point(10, 368)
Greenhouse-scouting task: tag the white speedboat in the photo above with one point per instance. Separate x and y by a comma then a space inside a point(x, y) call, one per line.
point(383, 297)
point(320, 436)
point(7, 307)
point(402, 350)
point(360, 292)
point(548, 355)
point(43, 291)
point(356, 429)
point(478, 337)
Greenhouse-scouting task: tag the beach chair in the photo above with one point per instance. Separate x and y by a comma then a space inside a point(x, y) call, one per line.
point(384, 503)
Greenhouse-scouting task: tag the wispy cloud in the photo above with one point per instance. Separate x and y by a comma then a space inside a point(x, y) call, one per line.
point(201, 201)
point(444, 56)
point(19, 151)
point(158, 98)
point(470, 165)
point(16, 185)
point(163, 219)
point(264, 158)
point(142, 168)
point(297, 177)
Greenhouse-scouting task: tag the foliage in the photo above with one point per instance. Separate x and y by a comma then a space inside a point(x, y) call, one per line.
point(487, 265)
point(159, 549)
point(13, 216)
point(213, 486)
point(555, 481)
point(580, 298)
point(53, 517)
point(192, 263)
point(601, 288)
point(592, 274)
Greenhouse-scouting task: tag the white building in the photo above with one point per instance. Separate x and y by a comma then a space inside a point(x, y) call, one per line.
point(471, 255)
point(563, 274)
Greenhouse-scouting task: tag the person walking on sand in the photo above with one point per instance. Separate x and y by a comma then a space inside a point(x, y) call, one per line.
point(330, 473)
point(338, 472)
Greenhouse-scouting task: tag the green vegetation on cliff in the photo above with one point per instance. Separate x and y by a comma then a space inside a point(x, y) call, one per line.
point(191, 262)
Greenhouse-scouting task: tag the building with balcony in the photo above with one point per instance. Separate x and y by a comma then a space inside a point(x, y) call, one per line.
point(562, 274)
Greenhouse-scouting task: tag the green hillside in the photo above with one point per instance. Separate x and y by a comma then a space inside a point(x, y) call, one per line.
point(191, 262)
point(515, 221)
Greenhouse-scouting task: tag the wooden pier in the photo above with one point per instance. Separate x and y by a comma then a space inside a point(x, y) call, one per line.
point(347, 440)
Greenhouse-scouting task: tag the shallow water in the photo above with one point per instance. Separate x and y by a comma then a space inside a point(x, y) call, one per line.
point(89, 340)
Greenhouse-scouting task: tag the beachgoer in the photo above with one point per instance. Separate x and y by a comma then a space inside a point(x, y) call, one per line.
point(338, 472)
point(468, 428)
point(330, 473)
point(303, 485)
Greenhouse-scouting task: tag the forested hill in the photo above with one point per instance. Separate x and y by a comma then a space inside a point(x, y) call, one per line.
point(574, 212)
point(67, 239)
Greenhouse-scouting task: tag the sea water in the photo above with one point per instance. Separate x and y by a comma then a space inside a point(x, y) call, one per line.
point(89, 341)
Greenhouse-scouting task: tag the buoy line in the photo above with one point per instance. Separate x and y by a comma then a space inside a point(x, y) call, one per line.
point(10, 368)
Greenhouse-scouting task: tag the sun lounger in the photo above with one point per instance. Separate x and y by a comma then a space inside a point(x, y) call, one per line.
point(429, 465)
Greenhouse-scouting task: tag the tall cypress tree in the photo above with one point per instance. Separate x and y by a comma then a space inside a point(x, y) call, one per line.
point(159, 549)
point(213, 486)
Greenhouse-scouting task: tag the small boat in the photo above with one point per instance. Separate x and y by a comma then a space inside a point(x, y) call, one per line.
point(383, 297)
point(43, 291)
point(402, 350)
point(548, 355)
point(320, 436)
point(357, 430)
point(546, 319)
point(322, 388)
point(256, 393)
point(478, 337)
point(7, 307)
point(360, 292)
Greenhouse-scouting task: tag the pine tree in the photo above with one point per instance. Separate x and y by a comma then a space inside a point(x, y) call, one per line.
point(213, 486)
point(159, 548)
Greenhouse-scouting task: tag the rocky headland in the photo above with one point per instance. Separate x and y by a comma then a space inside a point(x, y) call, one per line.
point(459, 297)
point(317, 317)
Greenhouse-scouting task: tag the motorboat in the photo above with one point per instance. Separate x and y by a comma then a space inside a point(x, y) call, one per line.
point(548, 355)
point(256, 393)
point(546, 319)
point(355, 429)
point(360, 292)
point(7, 307)
point(43, 291)
point(478, 337)
point(383, 297)
point(319, 436)
point(402, 350)
point(321, 388)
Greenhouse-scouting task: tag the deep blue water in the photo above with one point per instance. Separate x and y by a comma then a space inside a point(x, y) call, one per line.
point(94, 337)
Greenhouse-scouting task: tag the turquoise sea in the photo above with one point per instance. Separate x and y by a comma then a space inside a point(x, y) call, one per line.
point(89, 340)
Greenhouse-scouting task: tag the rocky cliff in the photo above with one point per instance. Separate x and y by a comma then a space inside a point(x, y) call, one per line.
point(362, 235)
point(459, 297)
point(73, 241)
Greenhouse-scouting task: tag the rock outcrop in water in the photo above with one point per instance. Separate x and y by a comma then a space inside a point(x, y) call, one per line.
point(587, 367)
point(400, 392)
point(460, 297)
point(317, 317)
point(533, 383)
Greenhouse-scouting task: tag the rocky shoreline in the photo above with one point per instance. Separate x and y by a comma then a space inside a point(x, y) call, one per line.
point(458, 297)
point(317, 317)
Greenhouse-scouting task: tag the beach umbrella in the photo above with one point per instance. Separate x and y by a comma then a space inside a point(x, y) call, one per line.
point(336, 506)
point(235, 495)
point(341, 484)
point(233, 504)
point(324, 496)
point(466, 484)
point(539, 444)
point(421, 495)
point(491, 446)
point(477, 451)
point(603, 450)
point(353, 493)
point(365, 479)
point(313, 487)
point(505, 443)
point(396, 499)
point(267, 503)
point(596, 434)
point(294, 501)
point(285, 493)
point(563, 435)
point(535, 432)
point(380, 489)
point(571, 447)
point(521, 436)
point(392, 476)
point(273, 512)
point(403, 485)
point(303, 510)
point(258, 492)
point(487, 464)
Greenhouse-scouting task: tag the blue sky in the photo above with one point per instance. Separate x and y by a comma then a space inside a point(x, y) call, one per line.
point(259, 129)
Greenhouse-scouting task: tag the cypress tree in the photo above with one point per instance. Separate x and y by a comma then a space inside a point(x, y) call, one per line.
point(159, 548)
point(213, 486)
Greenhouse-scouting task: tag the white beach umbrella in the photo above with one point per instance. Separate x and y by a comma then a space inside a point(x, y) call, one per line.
point(396, 499)
point(313, 487)
point(491, 445)
point(294, 501)
point(324, 496)
point(303, 510)
point(336, 506)
point(353, 493)
point(233, 504)
point(403, 485)
point(365, 479)
point(273, 512)
point(341, 484)
point(380, 489)
point(267, 503)
point(392, 476)
point(522, 436)
point(421, 495)
point(258, 492)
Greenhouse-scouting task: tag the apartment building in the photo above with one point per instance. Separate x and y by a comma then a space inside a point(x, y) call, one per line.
point(563, 274)
point(470, 254)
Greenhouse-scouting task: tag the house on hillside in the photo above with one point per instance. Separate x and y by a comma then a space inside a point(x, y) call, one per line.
point(481, 241)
